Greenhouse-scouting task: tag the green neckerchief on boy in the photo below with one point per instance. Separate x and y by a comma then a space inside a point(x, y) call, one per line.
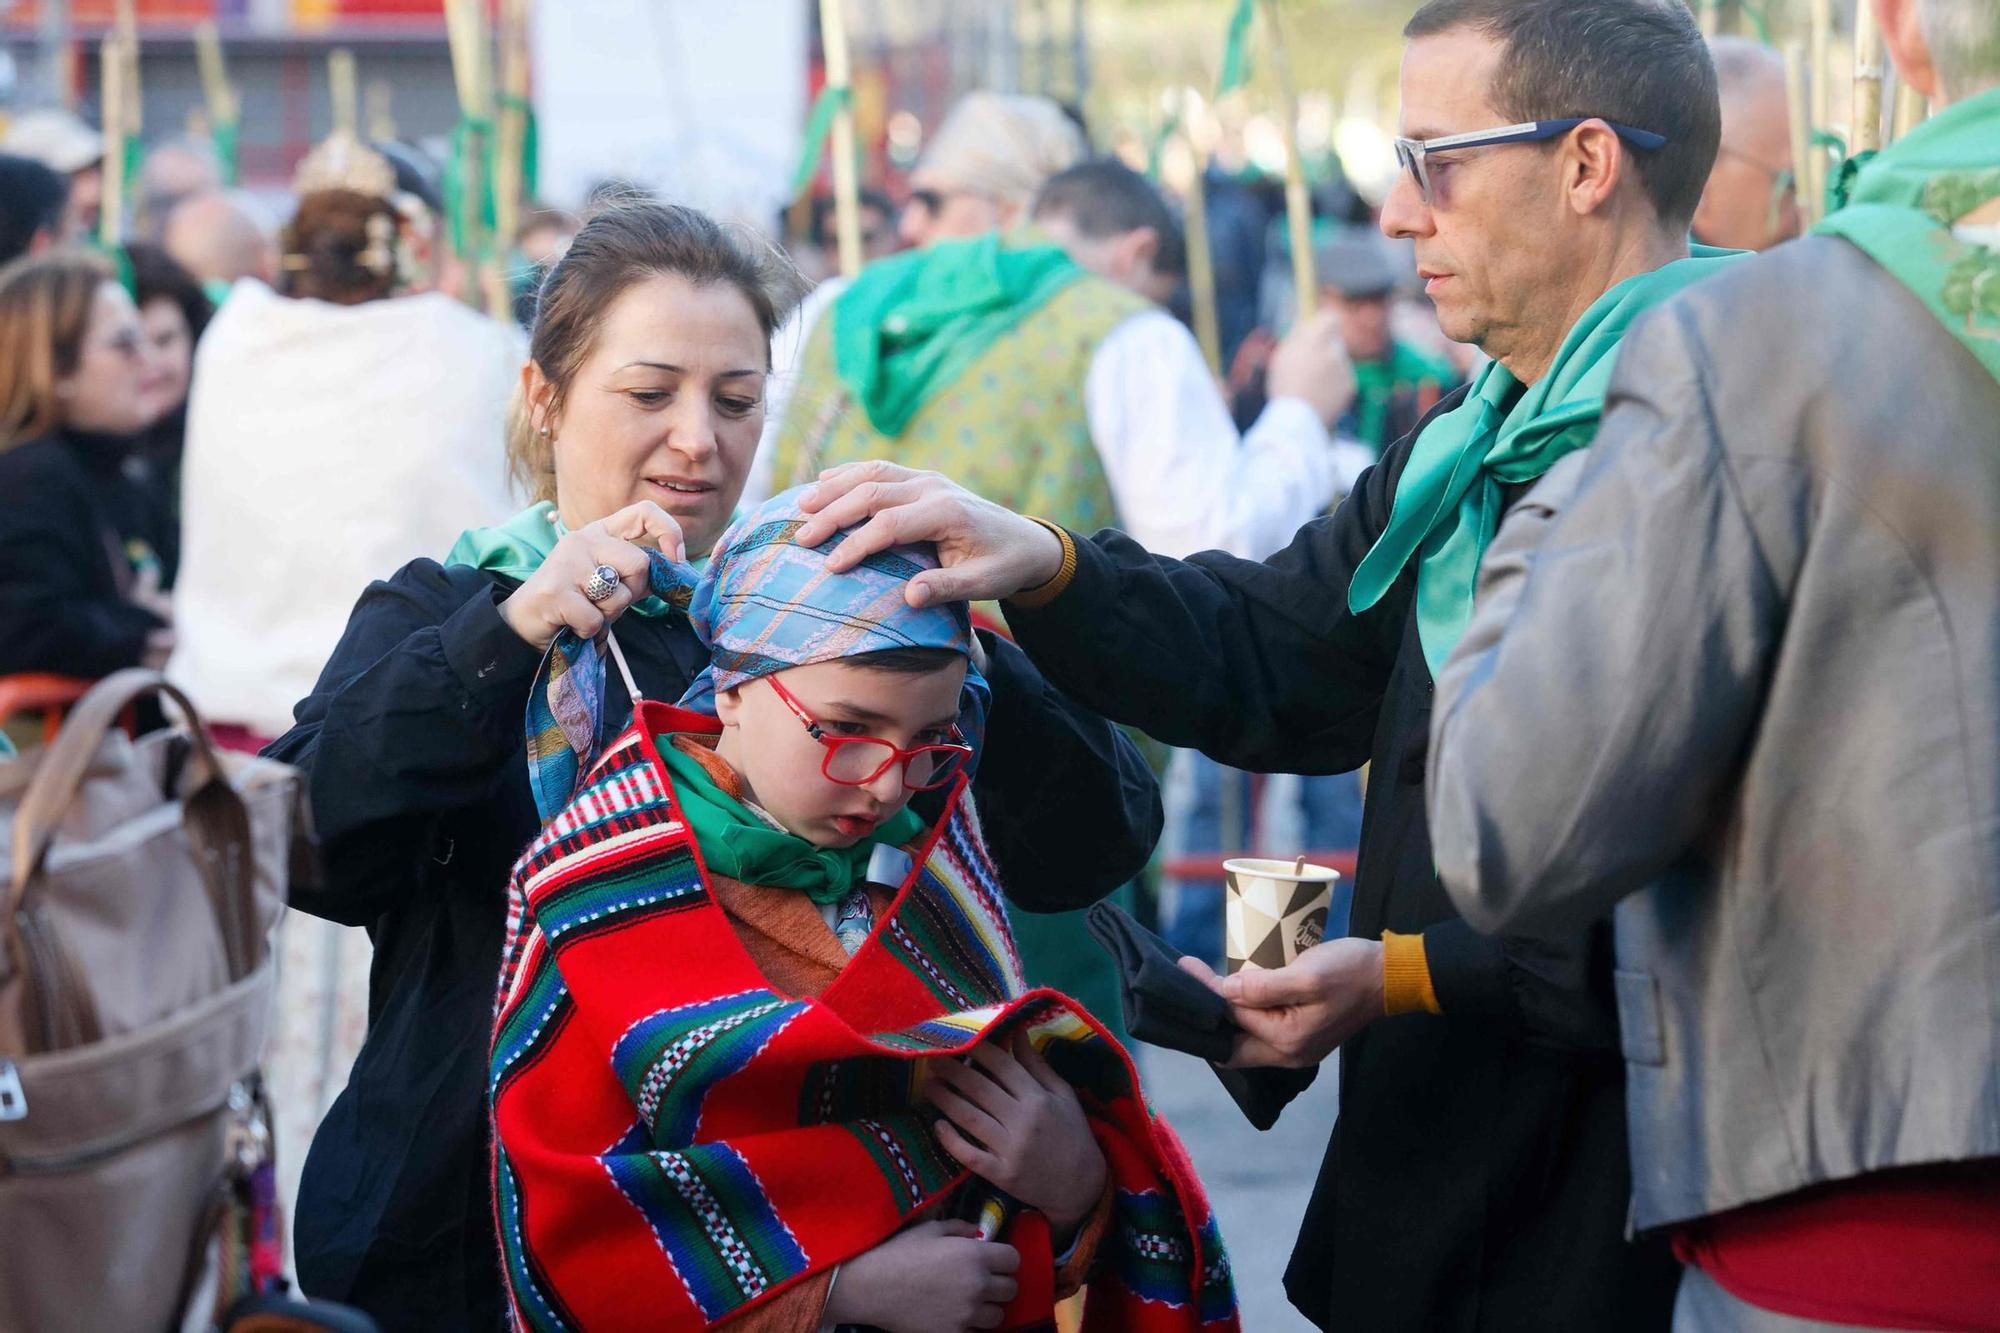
point(517, 548)
point(1452, 490)
point(735, 842)
point(912, 323)
point(1904, 204)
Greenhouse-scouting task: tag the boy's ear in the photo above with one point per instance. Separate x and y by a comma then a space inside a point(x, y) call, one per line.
point(729, 706)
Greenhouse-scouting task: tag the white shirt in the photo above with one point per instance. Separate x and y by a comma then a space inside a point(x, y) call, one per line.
point(327, 446)
point(1181, 478)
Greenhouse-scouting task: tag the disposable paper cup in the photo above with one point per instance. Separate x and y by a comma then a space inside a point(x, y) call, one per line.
point(1274, 913)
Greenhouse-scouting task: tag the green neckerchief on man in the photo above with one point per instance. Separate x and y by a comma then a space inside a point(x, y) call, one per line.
point(1452, 491)
point(1906, 201)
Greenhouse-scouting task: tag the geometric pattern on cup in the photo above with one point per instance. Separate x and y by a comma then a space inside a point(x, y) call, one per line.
point(1269, 923)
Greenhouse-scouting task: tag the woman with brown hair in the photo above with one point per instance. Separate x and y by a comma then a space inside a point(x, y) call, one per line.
point(75, 380)
point(640, 407)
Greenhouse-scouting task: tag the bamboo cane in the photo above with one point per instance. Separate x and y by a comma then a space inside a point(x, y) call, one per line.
point(381, 111)
point(112, 73)
point(343, 89)
point(224, 105)
point(511, 121)
point(1201, 265)
point(1820, 87)
point(1798, 103)
point(125, 25)
point(471, 60)
point(216, 92)
point(1912, 109)
point(846, 186)
point(1865, 135)
point(461, 23)
point(1298, 203)
point(134, 113)
point(131, 115)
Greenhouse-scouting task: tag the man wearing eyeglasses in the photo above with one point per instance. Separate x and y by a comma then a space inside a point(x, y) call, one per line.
point(1751, 201)
point(1553, 154)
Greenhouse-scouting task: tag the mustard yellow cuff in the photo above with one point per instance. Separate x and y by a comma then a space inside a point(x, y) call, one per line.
point(1406, 976)
point(1034, 598)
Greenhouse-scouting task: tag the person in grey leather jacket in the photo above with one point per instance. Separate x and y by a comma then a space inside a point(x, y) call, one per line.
point(1736, 671)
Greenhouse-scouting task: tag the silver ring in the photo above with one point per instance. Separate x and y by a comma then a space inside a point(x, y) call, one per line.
point(603, 581)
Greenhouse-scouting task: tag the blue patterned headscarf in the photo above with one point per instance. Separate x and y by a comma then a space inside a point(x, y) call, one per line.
point(763, 605)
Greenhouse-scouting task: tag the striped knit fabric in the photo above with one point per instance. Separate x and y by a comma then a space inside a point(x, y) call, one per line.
point(674, 1141)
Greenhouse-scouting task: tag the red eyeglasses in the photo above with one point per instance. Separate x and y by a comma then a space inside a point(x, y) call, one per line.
point(856, 761)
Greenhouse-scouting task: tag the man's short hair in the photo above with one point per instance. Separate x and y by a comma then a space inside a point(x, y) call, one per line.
point(1964, 38)
point(1103, 197)
point(1641, 63)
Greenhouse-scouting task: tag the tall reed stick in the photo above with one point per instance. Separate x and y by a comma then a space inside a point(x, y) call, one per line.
point(1798, 102)
point(846, 185)
point(1865, 131)
point(344, 91)
point(1201, 264)
point(1298, 203)
point(113, 94)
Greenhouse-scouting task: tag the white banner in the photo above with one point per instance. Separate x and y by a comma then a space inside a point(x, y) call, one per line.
point(702, 101)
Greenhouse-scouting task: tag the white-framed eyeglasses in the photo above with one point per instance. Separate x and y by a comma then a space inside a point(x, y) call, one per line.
point(1410, 153)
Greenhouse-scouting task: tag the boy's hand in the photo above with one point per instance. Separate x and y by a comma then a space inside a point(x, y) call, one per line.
point(937, 1277)
point(1012, 1118)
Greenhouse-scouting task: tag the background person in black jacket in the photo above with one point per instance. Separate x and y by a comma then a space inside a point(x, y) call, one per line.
point(642, 405)
point(1477, 1177)
point(76, 385)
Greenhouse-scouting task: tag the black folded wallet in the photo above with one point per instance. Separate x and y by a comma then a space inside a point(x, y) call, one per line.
point(1164, 1006)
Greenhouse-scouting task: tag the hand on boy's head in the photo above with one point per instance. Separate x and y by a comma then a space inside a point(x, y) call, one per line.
point(984, 551)
point(933, 1277)
point(1012, 1119)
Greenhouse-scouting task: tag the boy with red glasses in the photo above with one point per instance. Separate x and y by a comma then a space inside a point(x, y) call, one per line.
point(763, 1054)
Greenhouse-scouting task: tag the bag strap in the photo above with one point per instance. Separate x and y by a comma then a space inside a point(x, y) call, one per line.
point(218, 824)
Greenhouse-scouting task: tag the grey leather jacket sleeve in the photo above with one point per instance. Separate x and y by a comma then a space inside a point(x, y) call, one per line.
point(1617, 654)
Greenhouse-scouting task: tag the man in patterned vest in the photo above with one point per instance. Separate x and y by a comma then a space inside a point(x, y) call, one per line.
point(1004, 360)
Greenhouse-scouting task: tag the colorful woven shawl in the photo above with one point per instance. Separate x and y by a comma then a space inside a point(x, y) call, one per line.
point(675, 1141)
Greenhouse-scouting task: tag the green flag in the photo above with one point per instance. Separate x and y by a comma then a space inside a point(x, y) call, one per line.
point(466, 219)
point(1236, 50)
point(818, 126)
point(224, 137)
point(531, 145)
